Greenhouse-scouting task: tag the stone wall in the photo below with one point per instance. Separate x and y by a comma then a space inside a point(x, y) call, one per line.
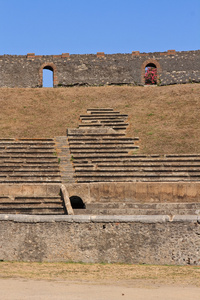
point(139, 192)
point(90, 69)
point(128, 239)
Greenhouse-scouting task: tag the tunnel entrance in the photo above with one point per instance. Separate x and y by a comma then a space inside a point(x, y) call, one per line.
point(77, 202)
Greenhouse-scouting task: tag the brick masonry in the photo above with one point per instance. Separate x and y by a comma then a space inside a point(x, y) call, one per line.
point(99, 69)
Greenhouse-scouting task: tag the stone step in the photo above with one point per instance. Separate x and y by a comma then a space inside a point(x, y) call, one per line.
point(121, 125)
point(99, 173)
point(27, 157)
point(130, 159)
point(156, 164)
point(118, 166)
point(100, 151)
point(88, 179)
point(28, 168)
point(106, 155)
point(99, 109)
point(27, 141)
point(102, 112)
point(102, 138)
point(183, 155)
point(29, 147)
point(97, 118)
point(33, 211)
point(94, 132)
point(100, 146)
point(4, 198)
point(35, 140)
point(95, 136)
point(26, 199)
point(29, 180)
point(130, 211)
point(27, 151)
point(16, 171)
point(97, 143)
point(108, 113)
point(37, 161)
point(137, 205)
point(48, 145)
point(30, 176)
point(109, 121)
point(101, 118)
point(101, 170)
point(16, 205)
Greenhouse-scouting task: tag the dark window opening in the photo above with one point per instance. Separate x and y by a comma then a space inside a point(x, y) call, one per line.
point(48, 77)
point(77, 202)
point(150, 74)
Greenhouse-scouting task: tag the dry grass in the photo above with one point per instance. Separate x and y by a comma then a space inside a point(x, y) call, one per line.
point(165, 275)
point(165, 118)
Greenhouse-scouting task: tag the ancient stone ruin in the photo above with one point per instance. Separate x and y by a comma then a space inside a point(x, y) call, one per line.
point(88, 196)
point(99, 69)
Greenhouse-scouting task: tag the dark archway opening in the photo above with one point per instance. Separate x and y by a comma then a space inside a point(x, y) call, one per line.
point(150, 74)
point(47, 77)
point(77, 202)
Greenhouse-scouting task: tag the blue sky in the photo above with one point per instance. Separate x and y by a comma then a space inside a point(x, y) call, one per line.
point(86, 26)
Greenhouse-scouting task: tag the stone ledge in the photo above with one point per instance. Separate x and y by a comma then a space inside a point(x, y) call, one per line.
point(99, 219)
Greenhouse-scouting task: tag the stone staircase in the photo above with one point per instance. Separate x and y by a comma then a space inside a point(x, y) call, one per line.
point(64, 158)
point(101, 152)
point(133, 208)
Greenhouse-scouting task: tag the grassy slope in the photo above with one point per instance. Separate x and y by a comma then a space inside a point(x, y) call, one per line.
point(165, 118)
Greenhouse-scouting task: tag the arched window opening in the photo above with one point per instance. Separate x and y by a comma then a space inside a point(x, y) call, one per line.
point(47, 76)
point(77, 202)
point(150, 74)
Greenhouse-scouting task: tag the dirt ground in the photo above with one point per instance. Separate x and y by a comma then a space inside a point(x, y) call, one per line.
point(18, 289)
point(76, 281)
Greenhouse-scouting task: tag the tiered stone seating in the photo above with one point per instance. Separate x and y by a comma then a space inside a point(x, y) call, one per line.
point(52, 205)
point(132, 208)
point(106, 154)
point(97, 118)
point(30, 163)
point(28, 160)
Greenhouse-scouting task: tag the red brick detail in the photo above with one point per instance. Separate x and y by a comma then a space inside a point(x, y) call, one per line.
point(30, 55)
point(145, 63)
point(52, 67)
point(65, 55)
point(134, 53)
point(100, 54)
point(171, 52)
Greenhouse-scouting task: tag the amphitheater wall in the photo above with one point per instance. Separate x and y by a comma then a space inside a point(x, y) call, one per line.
point(136, 191)
point(94, 70)
point(95, 239)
